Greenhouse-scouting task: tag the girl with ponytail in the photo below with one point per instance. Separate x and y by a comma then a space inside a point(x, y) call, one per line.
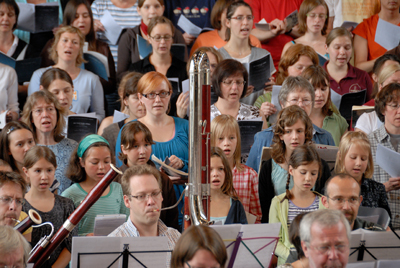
point(304, 166)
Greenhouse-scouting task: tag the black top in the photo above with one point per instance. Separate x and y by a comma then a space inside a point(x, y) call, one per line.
point(176, 70)
point(21, 45)
point(374, 195)
point(266, 188)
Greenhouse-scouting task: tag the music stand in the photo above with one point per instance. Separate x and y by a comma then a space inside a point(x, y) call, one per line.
point(119, 252)
point(249, 245)
point(375, 245)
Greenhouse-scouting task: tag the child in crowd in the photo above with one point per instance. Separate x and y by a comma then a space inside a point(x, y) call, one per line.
point(225, 206)
point(136, 141)
point(304, 166)
point(225, 134)
point(355, 158)
point(39, 167)
point(88, 165)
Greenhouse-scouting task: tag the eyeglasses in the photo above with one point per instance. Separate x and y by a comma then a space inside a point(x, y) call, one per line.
point(242, 18)
point(342, 201)
point(326, 249)
point(158, 38)
point(145, 197)
point(153, 95)
point(7, 200)
point(199, 266)
point(322, 16)
point(48, 110)
point(393, 106)
point(305, 102)
point(230, 83)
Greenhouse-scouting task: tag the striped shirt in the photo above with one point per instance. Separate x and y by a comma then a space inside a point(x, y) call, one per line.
point(128, 229)
point(295, 210)
point(125, 17)
point(112, 203)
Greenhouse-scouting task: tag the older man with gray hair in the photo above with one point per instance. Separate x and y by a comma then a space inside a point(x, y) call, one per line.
point(325, 238)
point(14, 249)
point(295, 91)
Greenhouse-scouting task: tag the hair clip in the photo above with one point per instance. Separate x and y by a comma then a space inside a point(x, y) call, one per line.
point(9, 130)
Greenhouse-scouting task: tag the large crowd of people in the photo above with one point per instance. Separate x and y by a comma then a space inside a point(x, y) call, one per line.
point(135, 84)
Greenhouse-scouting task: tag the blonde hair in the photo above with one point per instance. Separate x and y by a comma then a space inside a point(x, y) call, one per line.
point(227, 124)
point(387, 72)
point(349, 139)
point(67, 29)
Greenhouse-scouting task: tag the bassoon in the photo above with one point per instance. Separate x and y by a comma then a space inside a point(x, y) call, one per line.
point(45, 247)
point(198, 189)
point(32, 219)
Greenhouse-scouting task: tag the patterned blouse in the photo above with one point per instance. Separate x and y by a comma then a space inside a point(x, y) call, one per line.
point(374, 195)
point(246, 112)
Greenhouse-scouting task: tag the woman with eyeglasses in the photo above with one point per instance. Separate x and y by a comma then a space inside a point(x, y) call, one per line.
point(230, 80)
point(128, 52)
point(239, 22)
point(161, 32)
point(46, 117)
point(170, 134)
point(313, 22)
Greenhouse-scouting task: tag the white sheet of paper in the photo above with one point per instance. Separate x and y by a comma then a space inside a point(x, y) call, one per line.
point(336, 98)
point(188, 27)
point(387, 34)
point(388, 160)
point(275, 101)
point(118, 116)
point(262, 25)
point(113, 29)
point(26, 16)
point(3, 119)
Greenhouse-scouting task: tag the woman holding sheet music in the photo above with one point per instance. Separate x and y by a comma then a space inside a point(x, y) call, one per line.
point(67, 52)
point(239, 22)
point(344, 78)
point(313, 22)
point(78, 14)
point(45, 116)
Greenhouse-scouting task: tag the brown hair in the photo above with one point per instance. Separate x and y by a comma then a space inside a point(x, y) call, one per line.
point(212, 50)
point(338, 32)
point(227, 187)
point(287, 117)
point(223, 124)
point(141, 2)
point(49, 98)
point(138, 170)
point(229, 13)
point(225, 69)
point(195, 238)
point(13, 177)
point(128, 86)
point(128, 133)
point(305, 154)
point(306, 7)
point(57, 36)
point(5, 142)
point(376, 70)
point(54, 74)
point(291, 56)
point(11, 4)
point(36, 153)
point(294, 235)
point(319, 78)
point(75, 172)
point(217, 11)
point(70, 16)
point(160, 20)
point(349, 139)
point(389, 93)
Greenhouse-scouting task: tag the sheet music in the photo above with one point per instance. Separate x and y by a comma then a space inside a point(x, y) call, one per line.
point(387, 34)
point(275, 101)
point(188, 27)
point(388, 160)
point(262, 25)
point(118, 116)
point(3, 120)
point(112, 28)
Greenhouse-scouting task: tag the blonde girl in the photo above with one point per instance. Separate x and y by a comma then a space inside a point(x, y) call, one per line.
point(225, 206)
point(39, 167)
point(225, 134)
point(304, 167)
point(355, 158)
point(89, 162)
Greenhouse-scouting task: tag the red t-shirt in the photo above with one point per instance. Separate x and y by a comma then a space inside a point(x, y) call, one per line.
point(270, 10)
point(367, 30)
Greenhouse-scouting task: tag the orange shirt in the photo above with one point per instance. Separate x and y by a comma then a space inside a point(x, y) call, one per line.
point(212, 39)
point(367, 30)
